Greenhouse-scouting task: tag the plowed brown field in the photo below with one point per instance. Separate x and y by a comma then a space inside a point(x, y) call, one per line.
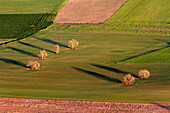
point(11, 105)
point(88, 11)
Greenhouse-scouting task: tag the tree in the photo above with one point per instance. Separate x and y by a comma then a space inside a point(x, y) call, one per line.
point(73, 44)
point(144, 74)
point(42, 54)
point(34, 65)
point(56, 49)
point(128, 80)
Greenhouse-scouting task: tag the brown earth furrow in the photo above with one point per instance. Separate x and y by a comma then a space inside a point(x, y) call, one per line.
point(59, 106)
point(88, 11)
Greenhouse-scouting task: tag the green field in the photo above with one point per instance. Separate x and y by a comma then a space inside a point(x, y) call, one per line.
point(158, 57)
point(137, 16)
point(20, 25)
point(29, 6)
point(143, 11)
point(87, 73)
point(29, 19)
point(94, 71)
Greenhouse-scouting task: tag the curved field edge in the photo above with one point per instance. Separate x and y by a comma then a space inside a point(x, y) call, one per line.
point(19, 26)
point(158, 57)
point(82, 74)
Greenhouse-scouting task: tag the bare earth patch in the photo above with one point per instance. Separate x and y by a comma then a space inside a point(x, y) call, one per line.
point(88, 11)
point(59, 106)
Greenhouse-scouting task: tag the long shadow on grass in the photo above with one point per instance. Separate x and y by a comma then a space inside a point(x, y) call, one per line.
point(33, 46)
point(113, 69)
point(6, 60)
point(142, 54)
point(167, 107)
point(15, 40)
point(51, 42)
point(168, 45)
point(23, 52)
point(97, 75)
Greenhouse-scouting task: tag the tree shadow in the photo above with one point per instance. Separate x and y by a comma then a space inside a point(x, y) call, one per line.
point(142, 54)
point(6, 60)
point(168, 43)
point(97, 75)
point(14, 40)
point(114, 70)
point(167, 107)
point(163, 106)
point(23, 52)
point(51, 42)
point(36, 47)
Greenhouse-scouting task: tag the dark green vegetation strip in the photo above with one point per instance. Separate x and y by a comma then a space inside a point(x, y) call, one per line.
point(59, 5)
point(14, 25)
point(87, 73)
point(19, 26)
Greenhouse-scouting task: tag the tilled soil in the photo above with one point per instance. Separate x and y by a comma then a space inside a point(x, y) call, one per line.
point(60, 106)
point(88, 11)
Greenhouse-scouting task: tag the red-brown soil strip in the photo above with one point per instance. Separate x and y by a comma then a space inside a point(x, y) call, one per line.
point(88, 11)
point(11, 105)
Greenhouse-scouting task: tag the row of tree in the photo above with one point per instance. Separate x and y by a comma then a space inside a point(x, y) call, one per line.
point(34, 65)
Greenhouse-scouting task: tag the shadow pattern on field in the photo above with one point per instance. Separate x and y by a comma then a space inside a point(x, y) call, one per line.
point(51, 42)
point(97, 75)
point(167, 107)
point(36, 47)
point(15, 40)
point(6, 60)
point(23, 52)
point(168, 45)
point(142, 54)
point(114, 70)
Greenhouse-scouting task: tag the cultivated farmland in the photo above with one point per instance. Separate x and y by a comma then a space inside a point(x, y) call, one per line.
point(143, 11)
point(28, 19)
point(88, 11)
point(139, 16)
point(87, 73)
point(30, 6)
point(94, 70)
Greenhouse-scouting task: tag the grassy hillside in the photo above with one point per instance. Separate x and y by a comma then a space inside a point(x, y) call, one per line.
point(158, 57)
point(29, 6)
point(143, 11)
point(87, 73)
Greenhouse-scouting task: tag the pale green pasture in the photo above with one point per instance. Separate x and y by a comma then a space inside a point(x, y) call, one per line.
point(28, 6)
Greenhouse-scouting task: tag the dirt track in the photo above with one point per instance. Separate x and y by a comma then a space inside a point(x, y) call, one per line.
point(59, 106)
point(88, 11)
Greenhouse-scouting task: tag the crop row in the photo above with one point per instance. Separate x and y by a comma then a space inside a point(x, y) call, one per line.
point(145, 11)
point(137, 28)
point(22, 25)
